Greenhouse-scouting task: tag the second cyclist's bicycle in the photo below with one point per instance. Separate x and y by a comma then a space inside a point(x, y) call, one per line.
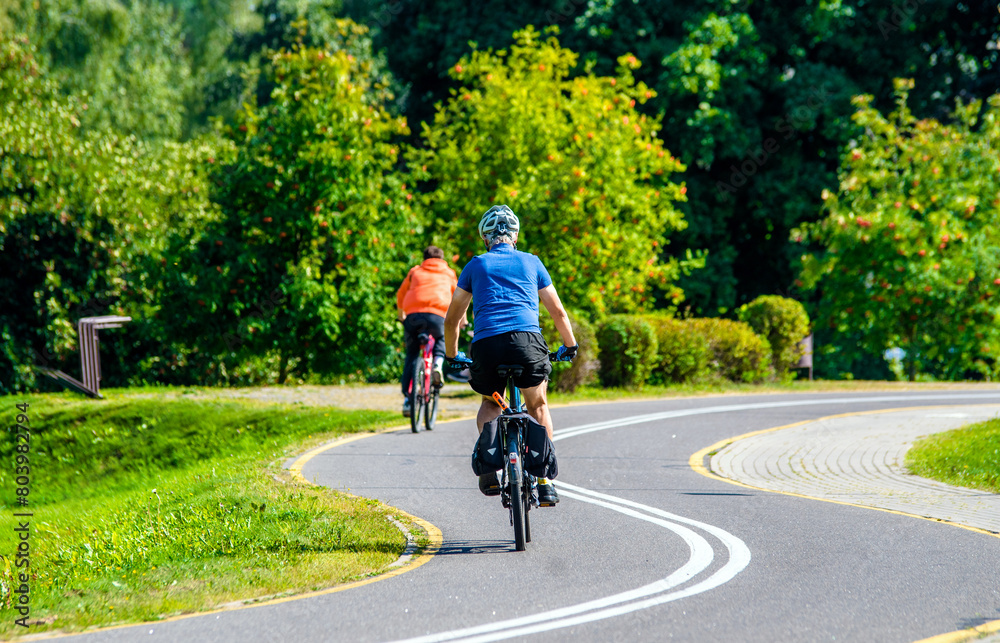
point(424, 393)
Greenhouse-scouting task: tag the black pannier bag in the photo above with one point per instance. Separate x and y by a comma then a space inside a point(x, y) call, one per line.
point(540, 453)
point(487, 456)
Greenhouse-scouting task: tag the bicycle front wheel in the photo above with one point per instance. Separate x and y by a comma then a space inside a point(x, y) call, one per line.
point(431, 408)
point(417, 394)
point(526, 501)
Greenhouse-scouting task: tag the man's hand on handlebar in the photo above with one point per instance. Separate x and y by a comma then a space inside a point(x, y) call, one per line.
point(459, 361)
point(564, 354)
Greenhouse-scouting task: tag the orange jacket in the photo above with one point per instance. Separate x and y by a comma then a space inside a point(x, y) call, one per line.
point(427, 289)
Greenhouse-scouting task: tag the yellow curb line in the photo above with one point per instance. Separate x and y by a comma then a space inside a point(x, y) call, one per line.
point(964, 635)
point(697, 462)
point(433, 533)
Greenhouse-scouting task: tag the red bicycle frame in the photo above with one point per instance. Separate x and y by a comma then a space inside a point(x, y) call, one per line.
point(427, 351)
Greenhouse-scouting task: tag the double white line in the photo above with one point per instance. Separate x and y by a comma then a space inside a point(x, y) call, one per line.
point(656, 593)
point(574, 431)
point(701, 551)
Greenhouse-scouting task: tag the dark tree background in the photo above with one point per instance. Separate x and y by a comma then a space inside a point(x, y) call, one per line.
point(730, 77)
point(754, 99)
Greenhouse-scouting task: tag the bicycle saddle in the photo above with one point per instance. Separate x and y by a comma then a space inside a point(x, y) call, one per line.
point(422, 338)
point(509, 370)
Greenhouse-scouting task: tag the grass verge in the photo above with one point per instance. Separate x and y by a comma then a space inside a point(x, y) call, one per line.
point(148, 507)
point(965, 457)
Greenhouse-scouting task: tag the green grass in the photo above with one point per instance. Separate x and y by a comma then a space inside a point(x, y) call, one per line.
point(965, 457)
point(147, 506)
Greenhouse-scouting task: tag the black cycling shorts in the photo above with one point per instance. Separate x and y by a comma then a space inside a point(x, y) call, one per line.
point(516, 347)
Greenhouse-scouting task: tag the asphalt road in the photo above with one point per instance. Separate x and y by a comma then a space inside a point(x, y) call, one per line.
point(641, 548)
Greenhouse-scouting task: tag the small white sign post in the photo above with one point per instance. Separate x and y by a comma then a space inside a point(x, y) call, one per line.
point(806, 361)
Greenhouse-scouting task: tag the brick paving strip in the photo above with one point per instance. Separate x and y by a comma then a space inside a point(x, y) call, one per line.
point(859, 459)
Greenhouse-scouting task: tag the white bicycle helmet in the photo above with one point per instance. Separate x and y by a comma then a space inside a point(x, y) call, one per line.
point(498, 221)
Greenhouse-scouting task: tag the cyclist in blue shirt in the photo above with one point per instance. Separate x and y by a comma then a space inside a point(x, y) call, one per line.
point(505, 286)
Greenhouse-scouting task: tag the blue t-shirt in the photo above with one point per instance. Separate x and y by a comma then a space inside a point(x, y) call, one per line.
point(504, 284)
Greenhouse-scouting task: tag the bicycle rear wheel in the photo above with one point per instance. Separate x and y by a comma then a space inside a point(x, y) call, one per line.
point(431, 408)
point(417, 394)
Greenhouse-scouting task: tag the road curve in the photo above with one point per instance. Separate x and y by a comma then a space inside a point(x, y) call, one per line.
point(642, 547)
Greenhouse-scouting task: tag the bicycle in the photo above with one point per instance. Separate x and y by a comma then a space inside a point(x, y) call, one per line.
point(424, 394)
point(516, 484)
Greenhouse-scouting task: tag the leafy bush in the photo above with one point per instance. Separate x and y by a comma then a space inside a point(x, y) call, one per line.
point(682, 352)
point(783, 323)
point(738, 354)
point(628, 350)
point(566, 377)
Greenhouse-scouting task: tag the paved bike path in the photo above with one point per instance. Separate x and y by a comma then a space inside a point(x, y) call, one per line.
point(639, 518)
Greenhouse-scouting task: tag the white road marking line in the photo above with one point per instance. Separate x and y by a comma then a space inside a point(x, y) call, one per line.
point(702, 555)
point(736, 547)
point(618, 604)
point(729, 408)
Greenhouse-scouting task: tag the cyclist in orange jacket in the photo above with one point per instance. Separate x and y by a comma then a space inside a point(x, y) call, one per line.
point(422, 302)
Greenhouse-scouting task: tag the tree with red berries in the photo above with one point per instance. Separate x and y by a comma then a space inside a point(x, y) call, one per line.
point(910, 248)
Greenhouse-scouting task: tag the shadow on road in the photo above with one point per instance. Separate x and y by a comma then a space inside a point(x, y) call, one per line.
point(452, 547)
point(970, 622)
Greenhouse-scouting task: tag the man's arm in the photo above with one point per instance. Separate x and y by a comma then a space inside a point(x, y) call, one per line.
point(550, 299)
point(401, 295)
point(456, 314)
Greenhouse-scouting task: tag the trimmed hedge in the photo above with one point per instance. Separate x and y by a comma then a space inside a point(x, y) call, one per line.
point(738, 354)
point(583, 369)
point(783, 323)
point(683, 353)
point(628, 351)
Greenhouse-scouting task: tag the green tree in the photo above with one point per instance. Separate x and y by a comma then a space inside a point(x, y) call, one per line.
point(251, 37)
point(82, 216)
point(583, 170)
point(422, 40)
point(745, 99)
point(316, 230)
point(909, 243)
point(126, 61)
